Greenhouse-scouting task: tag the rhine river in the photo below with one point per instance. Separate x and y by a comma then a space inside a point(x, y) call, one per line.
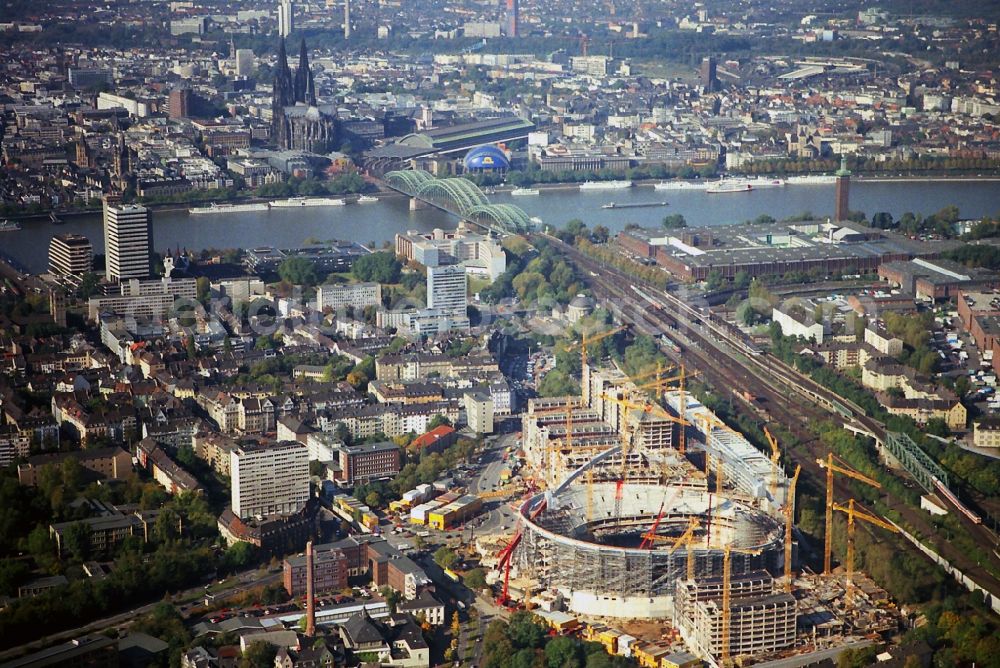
point(379, 222)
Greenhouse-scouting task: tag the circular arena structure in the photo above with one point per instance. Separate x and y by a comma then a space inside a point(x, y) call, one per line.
point(588, 544)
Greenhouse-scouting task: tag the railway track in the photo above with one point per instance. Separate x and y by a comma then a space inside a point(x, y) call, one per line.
point(783, 395)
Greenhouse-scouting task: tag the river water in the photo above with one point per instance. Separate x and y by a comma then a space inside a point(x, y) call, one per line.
point(379, 222)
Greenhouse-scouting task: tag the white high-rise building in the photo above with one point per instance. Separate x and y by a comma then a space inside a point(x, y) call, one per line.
point(244, 62)
point(269, 479)
point(286, 18)
point(128, 241)
point(447, 289)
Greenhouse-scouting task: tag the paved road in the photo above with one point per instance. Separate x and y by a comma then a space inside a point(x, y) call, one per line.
point(813, 658)
point(493, 463)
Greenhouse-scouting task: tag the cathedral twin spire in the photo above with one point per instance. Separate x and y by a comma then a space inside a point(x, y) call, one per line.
point(288, 90)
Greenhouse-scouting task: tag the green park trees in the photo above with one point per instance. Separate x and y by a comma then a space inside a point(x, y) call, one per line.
point(298, 271)
point(382, 267)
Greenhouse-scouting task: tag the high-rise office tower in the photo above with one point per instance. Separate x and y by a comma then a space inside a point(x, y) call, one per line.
point(128, 241)
point(286, 17)
point(709, 73)
point(179, 102)
point(512, 18)
point(842, 208)
point(244, 62)
point(447, 289)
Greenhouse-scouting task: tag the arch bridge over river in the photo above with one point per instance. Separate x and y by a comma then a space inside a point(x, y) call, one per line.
point(459, 196)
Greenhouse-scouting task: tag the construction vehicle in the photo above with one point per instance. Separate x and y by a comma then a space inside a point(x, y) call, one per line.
point(843, 468)
point(651, 536)
point(789, 517)
point(852, 515)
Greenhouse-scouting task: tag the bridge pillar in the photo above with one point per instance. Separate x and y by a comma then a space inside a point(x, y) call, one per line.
point(417, 204)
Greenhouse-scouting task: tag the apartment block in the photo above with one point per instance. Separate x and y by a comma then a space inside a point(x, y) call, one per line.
point(883, 341)
point(354, 295)
point(70, 257)
point(986, 433)
point(269, 479)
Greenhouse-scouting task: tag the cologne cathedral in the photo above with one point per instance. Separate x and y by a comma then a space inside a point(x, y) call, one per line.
point(297, 122)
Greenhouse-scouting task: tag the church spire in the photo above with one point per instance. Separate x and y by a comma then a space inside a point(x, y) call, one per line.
point(302, 74)
point(283, 92)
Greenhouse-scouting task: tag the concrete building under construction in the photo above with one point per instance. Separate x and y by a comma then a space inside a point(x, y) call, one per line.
point(761, 619)
point(624, 494)
point(561, 434)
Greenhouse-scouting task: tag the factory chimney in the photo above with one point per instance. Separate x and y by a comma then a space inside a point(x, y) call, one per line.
point(310, 594)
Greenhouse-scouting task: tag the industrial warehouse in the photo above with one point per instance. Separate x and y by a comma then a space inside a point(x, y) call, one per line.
point(775, 249)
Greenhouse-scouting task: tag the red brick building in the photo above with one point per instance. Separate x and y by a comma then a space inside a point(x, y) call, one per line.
point(329, 571)
point(368, 461)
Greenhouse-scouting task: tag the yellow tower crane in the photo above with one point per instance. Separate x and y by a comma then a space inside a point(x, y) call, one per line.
point(775, 455)
point(682, 409)
point(570, 407)
point(661, 383)
point(789, 516)
point(843, 468)
point(727, 598)
point(687, 539)
point(646, 407)
point(855, 514)
point(658, 372)
point(710, 422)
point(586, 340)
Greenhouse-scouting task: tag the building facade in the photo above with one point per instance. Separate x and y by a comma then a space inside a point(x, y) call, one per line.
point(70, 257)
point(329, 571)
point(269, 479)
point(368, 461)
point(447, 288)
point(128, 241)
point(355, 295)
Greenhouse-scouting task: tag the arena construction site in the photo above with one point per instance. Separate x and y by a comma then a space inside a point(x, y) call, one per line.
point(659, 511)
point(607, 533)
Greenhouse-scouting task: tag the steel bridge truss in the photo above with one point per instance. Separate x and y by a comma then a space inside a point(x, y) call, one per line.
point(460, 196)
point(923, 469)
point(460, 192)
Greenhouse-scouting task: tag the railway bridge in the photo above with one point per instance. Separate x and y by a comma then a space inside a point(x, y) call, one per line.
point(460, 197)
